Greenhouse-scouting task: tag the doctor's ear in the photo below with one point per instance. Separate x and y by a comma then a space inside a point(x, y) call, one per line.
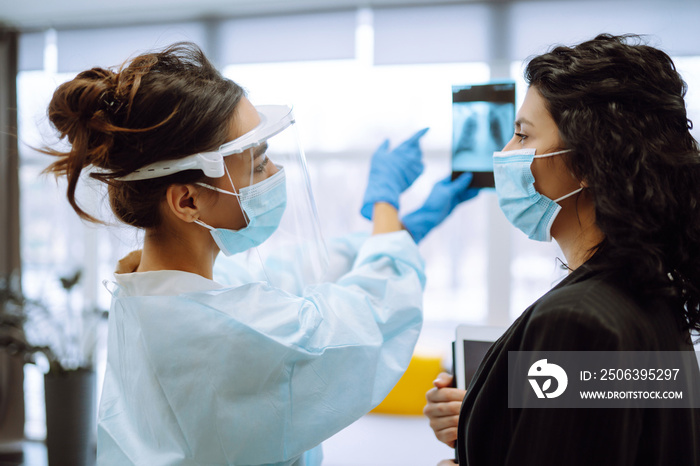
point(183, 201)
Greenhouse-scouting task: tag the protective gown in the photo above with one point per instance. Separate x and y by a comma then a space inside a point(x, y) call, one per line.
point(199, 373)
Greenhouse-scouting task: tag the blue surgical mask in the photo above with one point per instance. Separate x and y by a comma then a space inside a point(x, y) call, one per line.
point(263, 203)
point(526, 209)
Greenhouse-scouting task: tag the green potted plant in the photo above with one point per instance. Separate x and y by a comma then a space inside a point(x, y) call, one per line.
point(14, 350)
point(62, 342)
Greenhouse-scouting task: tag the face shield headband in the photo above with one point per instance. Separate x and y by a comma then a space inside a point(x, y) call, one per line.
point(282, 242)
point(273, 120)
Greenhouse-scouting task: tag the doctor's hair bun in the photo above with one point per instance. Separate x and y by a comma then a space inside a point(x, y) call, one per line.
point(80, 111)
point(157, 106)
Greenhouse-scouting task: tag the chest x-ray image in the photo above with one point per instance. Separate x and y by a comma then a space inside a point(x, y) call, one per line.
point(482, 123)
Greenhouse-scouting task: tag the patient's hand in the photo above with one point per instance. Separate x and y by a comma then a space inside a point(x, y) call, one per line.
point(444, 404)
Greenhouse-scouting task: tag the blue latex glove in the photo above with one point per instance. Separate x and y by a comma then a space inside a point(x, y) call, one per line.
point(391, 172)
point(444, 197)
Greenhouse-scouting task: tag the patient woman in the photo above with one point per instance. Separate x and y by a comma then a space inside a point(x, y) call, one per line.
point(602, 161)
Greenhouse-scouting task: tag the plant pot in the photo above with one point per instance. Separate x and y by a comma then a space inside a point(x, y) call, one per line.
point(11, 407)
point(71, 421)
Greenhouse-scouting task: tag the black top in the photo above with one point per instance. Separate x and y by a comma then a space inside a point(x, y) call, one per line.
point(587, 311)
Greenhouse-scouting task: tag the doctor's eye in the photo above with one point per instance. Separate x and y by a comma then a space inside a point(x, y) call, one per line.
point(261, 167)
point(521, 137)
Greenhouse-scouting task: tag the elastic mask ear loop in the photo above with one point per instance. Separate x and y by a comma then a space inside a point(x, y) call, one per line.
point(557, 153)
point(568, 195)
point(551, 154)
point(201, 223)
point(219, 190)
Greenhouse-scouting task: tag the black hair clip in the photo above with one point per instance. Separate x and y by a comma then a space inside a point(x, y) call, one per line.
point(110, 103)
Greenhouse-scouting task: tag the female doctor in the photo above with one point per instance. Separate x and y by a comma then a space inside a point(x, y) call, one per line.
point(602, 161)
point(263, 365)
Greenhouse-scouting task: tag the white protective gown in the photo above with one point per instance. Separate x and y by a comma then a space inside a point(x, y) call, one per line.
point(204, 374)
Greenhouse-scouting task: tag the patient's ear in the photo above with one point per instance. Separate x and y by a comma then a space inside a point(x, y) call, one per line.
point(183, 200)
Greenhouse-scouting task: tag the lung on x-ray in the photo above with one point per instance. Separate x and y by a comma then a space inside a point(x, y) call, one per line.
point(482, 123)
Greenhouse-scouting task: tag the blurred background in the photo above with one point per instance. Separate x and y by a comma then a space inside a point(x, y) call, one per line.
point(356, 72)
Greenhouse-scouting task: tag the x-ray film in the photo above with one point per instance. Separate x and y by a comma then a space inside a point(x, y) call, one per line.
point(482, 123)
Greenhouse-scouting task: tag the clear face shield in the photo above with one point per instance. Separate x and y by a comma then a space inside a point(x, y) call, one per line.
point(264, 170)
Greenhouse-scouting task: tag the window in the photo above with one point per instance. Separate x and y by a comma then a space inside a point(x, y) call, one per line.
point(689, 68)
point(385, 74)
point(344, 110)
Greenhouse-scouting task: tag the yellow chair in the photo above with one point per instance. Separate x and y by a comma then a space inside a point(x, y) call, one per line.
point(408, 395)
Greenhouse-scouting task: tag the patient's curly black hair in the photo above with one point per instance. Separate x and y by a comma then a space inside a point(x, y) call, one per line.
point(618, 104)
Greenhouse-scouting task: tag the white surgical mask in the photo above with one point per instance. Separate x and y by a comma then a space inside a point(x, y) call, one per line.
point(525, 208)
point(264, 204)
